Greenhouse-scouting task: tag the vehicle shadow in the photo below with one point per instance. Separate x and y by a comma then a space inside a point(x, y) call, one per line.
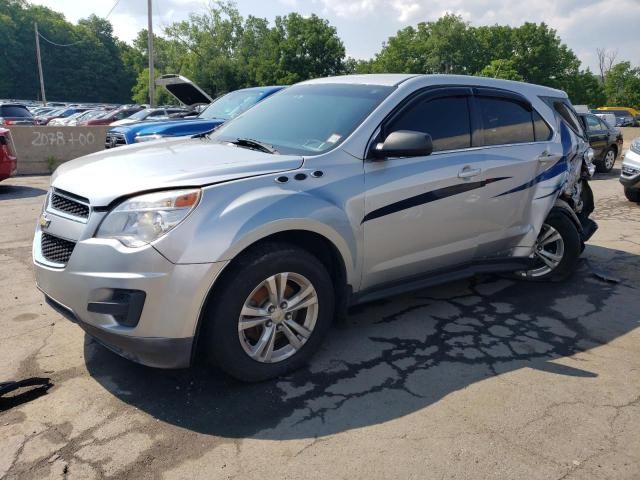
point(613, 173)
point(15, 192)
point(398, 356)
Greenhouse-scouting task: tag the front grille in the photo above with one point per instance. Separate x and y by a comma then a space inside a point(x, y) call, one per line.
point(630, 171)
point(114, 140)
point(56, 250)
point(69, 206)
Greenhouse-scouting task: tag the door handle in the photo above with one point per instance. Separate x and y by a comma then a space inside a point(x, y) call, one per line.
point(468, 172)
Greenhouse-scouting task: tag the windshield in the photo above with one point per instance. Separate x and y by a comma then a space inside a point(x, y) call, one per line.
point(306, 119)
point(232, 104)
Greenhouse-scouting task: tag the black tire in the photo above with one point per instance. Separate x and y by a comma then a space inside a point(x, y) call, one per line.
point(633, 195)
point(573, 247)
point(221, 339)
point(601, 165)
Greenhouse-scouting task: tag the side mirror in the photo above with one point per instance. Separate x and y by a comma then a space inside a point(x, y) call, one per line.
point(404, 143)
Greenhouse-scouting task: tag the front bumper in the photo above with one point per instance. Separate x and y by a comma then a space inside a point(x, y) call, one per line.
point(98, 270)
point(630, 171)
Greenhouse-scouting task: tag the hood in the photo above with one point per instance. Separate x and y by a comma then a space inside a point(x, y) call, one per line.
point(184, 89)
point(124, 121)
point(172, 127)
point(109, 174)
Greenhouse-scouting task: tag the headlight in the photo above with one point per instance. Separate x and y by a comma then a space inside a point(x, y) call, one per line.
point(143, 219)
point(635, 146)
point(147, 138)
point(588, 155)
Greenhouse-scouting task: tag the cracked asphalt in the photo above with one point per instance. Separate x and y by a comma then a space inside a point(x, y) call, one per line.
point(487, 378)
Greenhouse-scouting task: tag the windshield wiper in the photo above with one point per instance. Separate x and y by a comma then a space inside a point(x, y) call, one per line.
point(255, 145)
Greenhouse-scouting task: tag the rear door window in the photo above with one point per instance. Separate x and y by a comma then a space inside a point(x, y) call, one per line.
point(446, 119)
point(505, 121)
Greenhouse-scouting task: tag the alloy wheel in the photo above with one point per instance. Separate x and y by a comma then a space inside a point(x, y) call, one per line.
point(609, 160)
point(547, 252)
point(278, 317)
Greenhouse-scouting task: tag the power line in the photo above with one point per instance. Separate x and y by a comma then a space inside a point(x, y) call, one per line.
point(58, 44)
point(113, 8)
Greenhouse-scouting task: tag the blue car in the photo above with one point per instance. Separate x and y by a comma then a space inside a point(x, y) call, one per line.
point(219, 111)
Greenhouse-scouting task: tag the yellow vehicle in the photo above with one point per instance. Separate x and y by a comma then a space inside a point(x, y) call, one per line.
point(625, 116)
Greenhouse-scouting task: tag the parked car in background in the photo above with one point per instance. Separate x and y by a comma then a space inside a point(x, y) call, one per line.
point(112, 116)
point(222, 109)
point(248, 242)
point(150, 114)
point(8, 161)
point(41, 110)
point(61, 121)
point(605, 141)
point(625, 116)
point(609, 118)
point(630, 172)
point(60, 113)
point(15, 114)
point(85, 116)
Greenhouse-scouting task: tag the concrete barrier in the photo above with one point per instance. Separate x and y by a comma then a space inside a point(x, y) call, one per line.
point(41, 149)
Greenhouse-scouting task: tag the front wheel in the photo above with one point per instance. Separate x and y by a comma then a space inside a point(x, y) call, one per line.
point(555, 254)
point(607, 162)
point(271, 314)
point(632, 195)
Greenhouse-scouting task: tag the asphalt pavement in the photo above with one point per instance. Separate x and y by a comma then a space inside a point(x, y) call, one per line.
point(486, 378)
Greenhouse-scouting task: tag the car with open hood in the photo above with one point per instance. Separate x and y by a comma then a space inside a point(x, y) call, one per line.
point(246, 243)
point(184, 90)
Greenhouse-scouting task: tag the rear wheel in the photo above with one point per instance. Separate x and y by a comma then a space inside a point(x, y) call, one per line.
point(632, 195)
point(607, 162)
point(271, 314)
point(556, 251)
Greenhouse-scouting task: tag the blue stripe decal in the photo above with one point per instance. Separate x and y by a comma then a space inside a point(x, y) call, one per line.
point(557, 169)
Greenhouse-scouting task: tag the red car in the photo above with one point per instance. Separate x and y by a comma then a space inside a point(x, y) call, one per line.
point(112, 116)
point(8, 161)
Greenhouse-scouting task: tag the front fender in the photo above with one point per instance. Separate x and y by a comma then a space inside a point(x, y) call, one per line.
point(233, 216)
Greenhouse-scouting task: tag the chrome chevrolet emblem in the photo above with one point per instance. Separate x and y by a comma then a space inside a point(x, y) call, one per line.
point(44, 221)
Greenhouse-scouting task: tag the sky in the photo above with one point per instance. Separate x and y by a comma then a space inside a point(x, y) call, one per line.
point(363, 25)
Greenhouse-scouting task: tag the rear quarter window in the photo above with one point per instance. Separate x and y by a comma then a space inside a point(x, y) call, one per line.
point(563, 109)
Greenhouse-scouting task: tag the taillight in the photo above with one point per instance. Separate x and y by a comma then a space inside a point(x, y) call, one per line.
point(6, 142)
point(9, 122)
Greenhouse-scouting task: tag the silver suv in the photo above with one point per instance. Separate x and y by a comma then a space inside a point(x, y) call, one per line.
point(247, 242)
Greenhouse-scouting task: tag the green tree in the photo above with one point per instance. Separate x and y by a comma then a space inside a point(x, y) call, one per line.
point(307, 48)
point(501, 69)
point(585, 88)
point(89, 69)
point(622, 86)
point(140, 91)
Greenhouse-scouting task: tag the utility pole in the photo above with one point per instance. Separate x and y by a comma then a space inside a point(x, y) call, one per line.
point(44, 98)
point(152, 85)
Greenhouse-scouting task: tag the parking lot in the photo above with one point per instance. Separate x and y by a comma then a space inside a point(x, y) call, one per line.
point(487, 378)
